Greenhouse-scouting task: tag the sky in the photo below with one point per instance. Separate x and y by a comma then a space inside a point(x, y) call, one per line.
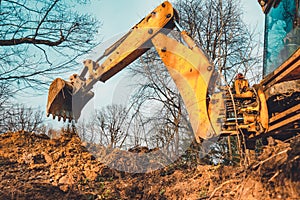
point(117, 17)
point(120, 15)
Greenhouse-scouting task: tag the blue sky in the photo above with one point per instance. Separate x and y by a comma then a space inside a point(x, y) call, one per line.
point(118, 16)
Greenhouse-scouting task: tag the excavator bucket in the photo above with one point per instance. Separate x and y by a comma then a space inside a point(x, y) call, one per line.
point(60, 100)
point(64, 102)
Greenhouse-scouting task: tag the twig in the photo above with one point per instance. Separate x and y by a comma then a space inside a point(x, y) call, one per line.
point(274, 176)
point(215, 190)
point(261, 162)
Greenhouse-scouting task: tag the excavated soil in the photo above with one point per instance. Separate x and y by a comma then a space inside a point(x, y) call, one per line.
point(33, 166)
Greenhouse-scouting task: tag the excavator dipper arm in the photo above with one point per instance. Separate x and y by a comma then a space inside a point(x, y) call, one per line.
point(191, 72)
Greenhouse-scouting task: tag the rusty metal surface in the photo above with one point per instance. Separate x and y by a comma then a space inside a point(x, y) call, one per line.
point(283, 100)
point(284, 88)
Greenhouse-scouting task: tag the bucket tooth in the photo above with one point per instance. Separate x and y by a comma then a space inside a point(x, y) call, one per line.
point(68, 114)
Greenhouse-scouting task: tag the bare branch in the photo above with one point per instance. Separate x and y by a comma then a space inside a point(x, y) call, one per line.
point(43, 19)
point(31, 41)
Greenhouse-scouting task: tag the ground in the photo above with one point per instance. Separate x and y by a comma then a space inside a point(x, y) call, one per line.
point(33, 166)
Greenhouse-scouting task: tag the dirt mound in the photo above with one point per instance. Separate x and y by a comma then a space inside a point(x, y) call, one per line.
point(33, 166)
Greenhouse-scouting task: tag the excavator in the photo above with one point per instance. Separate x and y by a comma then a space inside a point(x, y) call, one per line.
point(269, 108)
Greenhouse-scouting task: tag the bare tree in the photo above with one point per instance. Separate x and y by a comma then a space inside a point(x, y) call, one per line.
point(137, 131)
point(218, 28)
point(112, 125)
point(18, 117)
point(87, 130)
point(159, 102)
point(40, 39)
point(5, 94)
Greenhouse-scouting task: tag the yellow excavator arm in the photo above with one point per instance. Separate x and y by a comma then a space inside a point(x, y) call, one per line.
point(66, 99)
point(188, 66)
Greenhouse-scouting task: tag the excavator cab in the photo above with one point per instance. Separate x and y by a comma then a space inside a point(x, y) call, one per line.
point(282, 32)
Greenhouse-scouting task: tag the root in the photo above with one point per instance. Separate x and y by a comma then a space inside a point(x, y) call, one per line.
point(218, 188)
